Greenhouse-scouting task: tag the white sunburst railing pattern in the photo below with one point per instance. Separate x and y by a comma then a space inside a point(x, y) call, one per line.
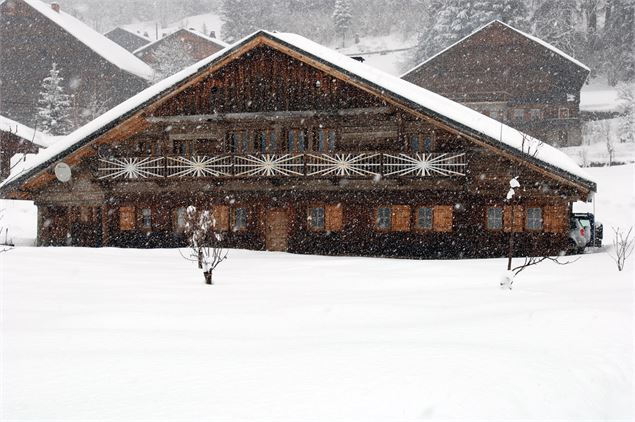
point(286, 165)
point(269, 165)
point(346, 164)
point(131, 168)
point(200, 166)
point(421, 164)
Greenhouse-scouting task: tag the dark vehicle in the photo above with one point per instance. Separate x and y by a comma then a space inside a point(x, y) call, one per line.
point(585, 224)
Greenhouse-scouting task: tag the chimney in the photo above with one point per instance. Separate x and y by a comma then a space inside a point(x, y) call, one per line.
point(55, 6)
point(212, 34)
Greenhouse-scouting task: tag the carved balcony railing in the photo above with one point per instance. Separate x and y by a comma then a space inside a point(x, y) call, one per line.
point(314, 165)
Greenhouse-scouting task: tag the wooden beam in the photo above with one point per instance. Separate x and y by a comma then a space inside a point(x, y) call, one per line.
point(270, 115)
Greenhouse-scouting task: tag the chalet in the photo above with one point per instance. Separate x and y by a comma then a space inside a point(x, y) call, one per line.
point(512, 77)
point(295, 147)
point(15, 138)
point(96, 71)
point(129, 40)
point(196, 45)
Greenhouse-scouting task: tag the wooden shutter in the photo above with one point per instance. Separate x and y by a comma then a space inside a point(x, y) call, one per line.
point(221, 216)
point(333, 218)
point(400, 218)
point(442, 218)
point(127, 218)
point(555, 218)
point(519, 218)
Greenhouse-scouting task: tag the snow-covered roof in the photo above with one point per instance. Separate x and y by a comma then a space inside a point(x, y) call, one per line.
point(130, 31)
point(101, 45)
point(29, 134)
point(531, 37)
point(452, 113)
point(218, 42)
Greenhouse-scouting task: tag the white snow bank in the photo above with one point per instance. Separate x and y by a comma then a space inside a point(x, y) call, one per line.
point(101, 45)
point(126, 335)
point(419, 96)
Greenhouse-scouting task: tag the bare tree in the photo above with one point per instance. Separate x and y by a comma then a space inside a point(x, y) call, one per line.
point(623, 246)
point(508, 279)
point(204, 242)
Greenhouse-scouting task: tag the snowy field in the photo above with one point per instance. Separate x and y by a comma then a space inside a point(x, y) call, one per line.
point(131, 335)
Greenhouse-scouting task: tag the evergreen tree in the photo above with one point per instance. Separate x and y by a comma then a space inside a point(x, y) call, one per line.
point(171, 57)
point(556, 23)
point(343, 18)
point(513, 12)
point(618, 40)
point(54, 110)
point(240, 18)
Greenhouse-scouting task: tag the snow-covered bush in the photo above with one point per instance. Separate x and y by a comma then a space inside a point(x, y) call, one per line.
point(54, 110)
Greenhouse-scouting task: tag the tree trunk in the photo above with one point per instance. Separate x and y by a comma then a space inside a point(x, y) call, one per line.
point(200, 259)
point(208, 277)
point(511, 241)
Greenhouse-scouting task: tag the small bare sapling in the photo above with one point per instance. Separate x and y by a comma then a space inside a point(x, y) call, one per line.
point(623, 245)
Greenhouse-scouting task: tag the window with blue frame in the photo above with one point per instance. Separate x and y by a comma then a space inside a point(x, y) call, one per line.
point(384, 218)
point(419, 142)
point(424, 218)
point(534, 219)
point(325, 141)
point(316, 218)
point(296, 140)
point(494, 218)
point(240, 219)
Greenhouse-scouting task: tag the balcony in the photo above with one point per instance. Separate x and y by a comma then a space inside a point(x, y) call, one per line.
point(308, 165)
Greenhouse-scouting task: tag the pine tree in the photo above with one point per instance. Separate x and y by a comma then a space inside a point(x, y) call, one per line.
point(343, 18)
point(556, 23)
point(171, 57)
point(239, 17)
point(55, 106)
point(513, 13)
point(618, 40)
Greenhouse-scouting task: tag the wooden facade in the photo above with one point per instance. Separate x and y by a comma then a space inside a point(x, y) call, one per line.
point(292, 153)
point(513, 78)
point(10, 144)
point(196, 45)
point(88, 76)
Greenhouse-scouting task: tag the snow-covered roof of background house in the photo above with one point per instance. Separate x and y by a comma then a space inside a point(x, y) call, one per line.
point(531, 37)
point(109, 50)
point(452, 113)
point(216, 41)
point(27, 133)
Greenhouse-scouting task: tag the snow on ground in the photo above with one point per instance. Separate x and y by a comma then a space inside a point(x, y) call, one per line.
point(129, 335)
point(114, 335)
point(598, 95)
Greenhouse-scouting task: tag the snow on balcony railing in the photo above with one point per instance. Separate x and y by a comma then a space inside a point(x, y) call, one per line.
point(285, 165)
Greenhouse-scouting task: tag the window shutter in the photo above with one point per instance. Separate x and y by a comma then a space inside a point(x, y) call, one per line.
point(519, 218)
point(220, 213)
point(555, 218)
point(333, 217)
point(400, 218)
point(127, 218)
point(442, 218)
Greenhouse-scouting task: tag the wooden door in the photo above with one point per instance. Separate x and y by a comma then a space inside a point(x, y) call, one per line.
point(277, 230)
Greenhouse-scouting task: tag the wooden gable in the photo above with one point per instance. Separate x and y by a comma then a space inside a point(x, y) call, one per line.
point(266, 80)
point(262, 75)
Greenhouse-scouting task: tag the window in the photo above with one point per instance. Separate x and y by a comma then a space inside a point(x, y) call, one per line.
point(238, 142)
point(181, 214)
point(316, 218)
point(240, 219)
point(296, 140)
point(563, 113)
point(384, 215)
point(146, 148)
point(146, 215)
point(534, 219)
point(535, 113)
point(420, 142)
point(519, 114)
point(182, 148)
point(494, 218)
point(424, 218)
point(325, 140)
